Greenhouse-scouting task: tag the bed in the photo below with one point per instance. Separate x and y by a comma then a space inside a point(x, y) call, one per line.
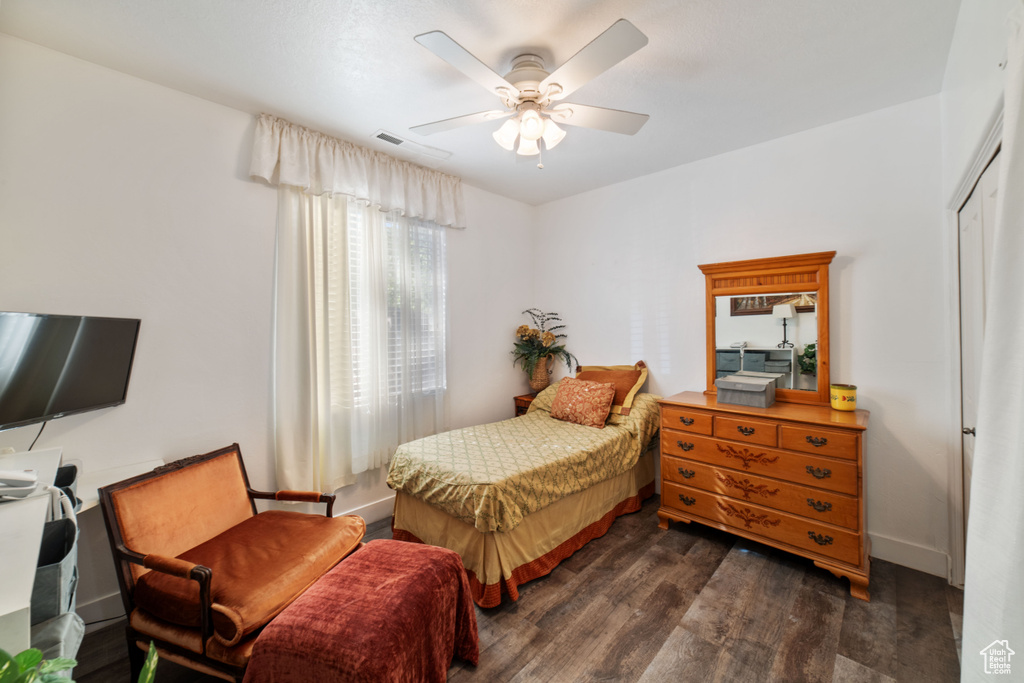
point(515, 498)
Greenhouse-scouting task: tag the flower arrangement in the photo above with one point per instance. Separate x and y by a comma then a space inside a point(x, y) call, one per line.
point(540, 341)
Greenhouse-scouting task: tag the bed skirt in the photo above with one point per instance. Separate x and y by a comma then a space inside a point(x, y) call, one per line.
point(496, 562)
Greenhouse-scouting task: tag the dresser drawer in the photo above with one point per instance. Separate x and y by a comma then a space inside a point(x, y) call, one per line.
point(770, 524)
point(746, 430)
point(686, 419)
point(815, 504)
point(819, 441)
point(826, 473)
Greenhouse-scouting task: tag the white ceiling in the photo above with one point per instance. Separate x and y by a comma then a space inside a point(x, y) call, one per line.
point(717, 75)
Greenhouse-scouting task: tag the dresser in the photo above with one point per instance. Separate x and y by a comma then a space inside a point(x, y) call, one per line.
point(789, 476)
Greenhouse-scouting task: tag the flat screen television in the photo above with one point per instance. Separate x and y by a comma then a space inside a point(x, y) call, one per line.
point(57, 365)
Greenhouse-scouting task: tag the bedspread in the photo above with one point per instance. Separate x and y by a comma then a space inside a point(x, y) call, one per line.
point(390, 611)
point(492, 476)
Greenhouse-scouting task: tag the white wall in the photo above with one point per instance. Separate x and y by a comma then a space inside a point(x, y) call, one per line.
point(972, 90)
point(489, 282)
point(621, 265)
point(122, 198)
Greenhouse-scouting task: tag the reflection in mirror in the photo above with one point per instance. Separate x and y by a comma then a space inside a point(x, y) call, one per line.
point(748, 290)
point(775, 333)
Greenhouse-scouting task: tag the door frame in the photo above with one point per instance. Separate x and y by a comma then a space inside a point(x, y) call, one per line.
point(983, 154)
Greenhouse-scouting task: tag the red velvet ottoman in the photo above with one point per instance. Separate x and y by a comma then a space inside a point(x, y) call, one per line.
point(390, 611)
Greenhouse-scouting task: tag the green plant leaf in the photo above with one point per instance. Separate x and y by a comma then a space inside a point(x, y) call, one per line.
point(57, 665)
point(28, 659)
point(9, 668)
point(148, 673)
point(53, 678)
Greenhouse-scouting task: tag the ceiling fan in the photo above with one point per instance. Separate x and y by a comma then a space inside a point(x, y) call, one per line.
point(532, 96)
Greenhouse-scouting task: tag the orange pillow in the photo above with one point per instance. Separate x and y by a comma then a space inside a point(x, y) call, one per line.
point(627, 380)
point(585, 403)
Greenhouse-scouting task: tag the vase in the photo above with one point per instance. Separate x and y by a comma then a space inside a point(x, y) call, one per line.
point(843, 396)
point(541, 376)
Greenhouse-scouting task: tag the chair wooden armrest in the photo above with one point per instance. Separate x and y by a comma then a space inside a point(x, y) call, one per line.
point(182, 569)
point(298, 497)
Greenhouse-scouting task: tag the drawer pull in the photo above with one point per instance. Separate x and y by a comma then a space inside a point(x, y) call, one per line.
point(819, 539)
point(685, 445)
point(686, 421)
point(687, 500)
point(819, 506)
point(819, 473)
point(745, 431)
point(817, 442)
point(747, 457)
point(687, 474)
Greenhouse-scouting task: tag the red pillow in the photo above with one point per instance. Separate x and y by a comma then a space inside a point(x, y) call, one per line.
point(585, 403)
point(627, 380)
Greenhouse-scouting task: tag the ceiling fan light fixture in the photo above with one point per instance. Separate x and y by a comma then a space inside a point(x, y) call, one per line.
point(552, 134)
point(531, 125)
point(507, 134)
point(528, 147)
point(532, 95)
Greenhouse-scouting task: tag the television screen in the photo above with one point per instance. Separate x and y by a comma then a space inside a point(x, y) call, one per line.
point(56, 365)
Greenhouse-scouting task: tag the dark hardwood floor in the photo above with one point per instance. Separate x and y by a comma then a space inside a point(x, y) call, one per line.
point(687, 604)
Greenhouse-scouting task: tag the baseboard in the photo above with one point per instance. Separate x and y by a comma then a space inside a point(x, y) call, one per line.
point(375, 511)
point(100, 612)
point(927, 560)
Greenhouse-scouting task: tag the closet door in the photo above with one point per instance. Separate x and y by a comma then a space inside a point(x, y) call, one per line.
point(977, 220)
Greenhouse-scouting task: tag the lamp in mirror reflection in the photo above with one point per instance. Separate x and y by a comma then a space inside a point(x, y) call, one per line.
point(784, 311)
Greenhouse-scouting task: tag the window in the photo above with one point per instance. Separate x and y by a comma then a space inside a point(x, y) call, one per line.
point(365, 322)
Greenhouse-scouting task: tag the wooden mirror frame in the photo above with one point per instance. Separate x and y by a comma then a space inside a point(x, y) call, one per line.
point(779, 275)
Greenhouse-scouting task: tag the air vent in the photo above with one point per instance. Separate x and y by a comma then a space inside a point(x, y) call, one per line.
point(389, 138)
point(409, 145)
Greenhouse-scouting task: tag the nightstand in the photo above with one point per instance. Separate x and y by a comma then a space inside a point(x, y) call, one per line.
point(523, 403)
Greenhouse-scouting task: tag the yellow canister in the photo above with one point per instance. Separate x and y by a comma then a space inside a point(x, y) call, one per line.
point(844, 397)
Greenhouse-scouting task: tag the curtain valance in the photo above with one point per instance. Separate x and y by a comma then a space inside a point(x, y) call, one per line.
point(286, 154)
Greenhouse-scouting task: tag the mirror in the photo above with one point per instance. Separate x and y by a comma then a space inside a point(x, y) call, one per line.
point(771, 315)
point(776, 333)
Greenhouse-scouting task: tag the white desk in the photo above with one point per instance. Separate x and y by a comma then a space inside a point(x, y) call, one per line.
point(21, 531)
point(21, 522)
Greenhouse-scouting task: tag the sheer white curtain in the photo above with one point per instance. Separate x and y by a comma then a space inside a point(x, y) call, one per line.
point(994, 585)
point(360, 338)
point(361, 309)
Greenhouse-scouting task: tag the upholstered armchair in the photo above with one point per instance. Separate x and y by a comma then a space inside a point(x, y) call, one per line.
point(200, 571)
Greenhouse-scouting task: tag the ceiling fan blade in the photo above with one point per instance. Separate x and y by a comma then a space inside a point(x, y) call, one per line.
point(447, 49)
point(611, 120)
point(602, 53)
point(459, 121)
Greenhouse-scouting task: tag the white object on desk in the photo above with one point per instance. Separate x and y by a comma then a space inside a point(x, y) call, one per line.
point(18, 478)
point(21, 532)
point(45, 462)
